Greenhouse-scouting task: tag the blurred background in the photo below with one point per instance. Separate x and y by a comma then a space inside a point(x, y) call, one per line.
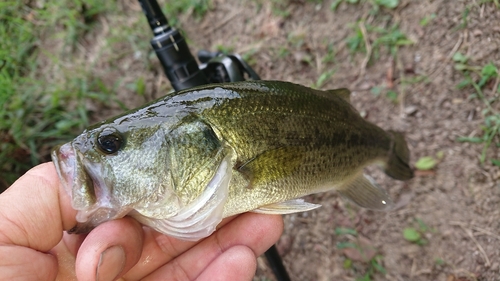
point(428, 68)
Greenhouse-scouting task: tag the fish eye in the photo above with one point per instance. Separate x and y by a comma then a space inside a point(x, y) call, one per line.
point(109, 141)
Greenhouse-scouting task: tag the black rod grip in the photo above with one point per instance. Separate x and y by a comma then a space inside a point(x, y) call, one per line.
point(276, 264)
point(155, 16)
point(172, 50)
point(179, 64)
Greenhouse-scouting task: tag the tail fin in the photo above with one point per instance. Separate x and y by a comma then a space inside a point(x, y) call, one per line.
point(399, 156)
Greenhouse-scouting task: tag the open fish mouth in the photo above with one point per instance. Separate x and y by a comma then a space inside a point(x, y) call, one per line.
point(89, 196)
point(65, 161)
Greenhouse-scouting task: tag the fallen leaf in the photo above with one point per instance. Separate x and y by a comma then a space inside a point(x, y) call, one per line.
point(426, 163)
point(411, 234)
point(363, 252)
point(404, 200)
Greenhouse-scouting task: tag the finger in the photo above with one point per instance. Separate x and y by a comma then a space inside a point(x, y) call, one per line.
point(256, 231)
point(239, 259)
point(14, 264)
point(33, 214)
point(72, 242)
point(65, 261)
point(35, 210)
point(158, 249)
point(110, 250)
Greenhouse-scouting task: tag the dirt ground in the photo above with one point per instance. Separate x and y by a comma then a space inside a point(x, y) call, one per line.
point(457, 203)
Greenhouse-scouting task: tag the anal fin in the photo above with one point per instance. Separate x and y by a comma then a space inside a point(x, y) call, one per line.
point(287, 207)
point(365, 192)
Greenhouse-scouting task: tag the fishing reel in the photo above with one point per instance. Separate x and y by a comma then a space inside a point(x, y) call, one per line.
point(225, 68)
point(179, 64)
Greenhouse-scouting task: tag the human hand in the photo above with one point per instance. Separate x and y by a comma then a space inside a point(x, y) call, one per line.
point(35, 211)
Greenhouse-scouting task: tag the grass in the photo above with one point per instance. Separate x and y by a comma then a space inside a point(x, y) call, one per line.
point(415, 234)
point(391, 94)
point(376, 4)
point(427, 19)
point(328, 68)
point(48, 84)
point(377, 33)
point(173, 9)
point(280, 8)
point(43, 101)
point(379, 38)
point(464, 21)
point(483, 82)
point(371, 264)
point(374, 266)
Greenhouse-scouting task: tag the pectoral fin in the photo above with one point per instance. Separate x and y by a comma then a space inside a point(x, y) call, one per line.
point(287, 207)
point(363, 191)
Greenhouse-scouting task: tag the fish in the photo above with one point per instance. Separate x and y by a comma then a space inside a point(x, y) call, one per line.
point(182, 163)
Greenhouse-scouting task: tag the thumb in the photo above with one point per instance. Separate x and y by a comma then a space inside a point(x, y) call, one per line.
point(33, 214)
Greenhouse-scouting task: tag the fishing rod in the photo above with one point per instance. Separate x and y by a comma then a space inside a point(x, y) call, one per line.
point(184, 72)
point(179, 64)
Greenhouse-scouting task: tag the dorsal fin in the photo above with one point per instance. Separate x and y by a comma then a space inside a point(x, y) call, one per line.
point(333, 94)
point(344, 93)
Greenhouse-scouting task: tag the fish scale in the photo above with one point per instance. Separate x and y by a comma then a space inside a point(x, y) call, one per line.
point(218, 150)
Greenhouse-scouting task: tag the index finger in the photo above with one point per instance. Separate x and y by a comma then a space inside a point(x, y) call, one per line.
point(256, 231)
point(35, 210)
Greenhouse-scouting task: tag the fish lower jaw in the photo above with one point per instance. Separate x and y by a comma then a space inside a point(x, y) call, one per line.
point(91, 218)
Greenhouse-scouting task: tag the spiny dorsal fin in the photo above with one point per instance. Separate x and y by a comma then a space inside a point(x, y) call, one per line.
point(344, 93)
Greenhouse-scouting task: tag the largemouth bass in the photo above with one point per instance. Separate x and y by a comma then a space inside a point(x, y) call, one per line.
point(184, 162)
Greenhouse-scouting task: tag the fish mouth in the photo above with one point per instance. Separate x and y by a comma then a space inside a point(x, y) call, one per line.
point(64, 159)
point(88, 192)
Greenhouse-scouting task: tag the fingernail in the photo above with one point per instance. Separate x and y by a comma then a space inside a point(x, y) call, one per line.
point(110, 264)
